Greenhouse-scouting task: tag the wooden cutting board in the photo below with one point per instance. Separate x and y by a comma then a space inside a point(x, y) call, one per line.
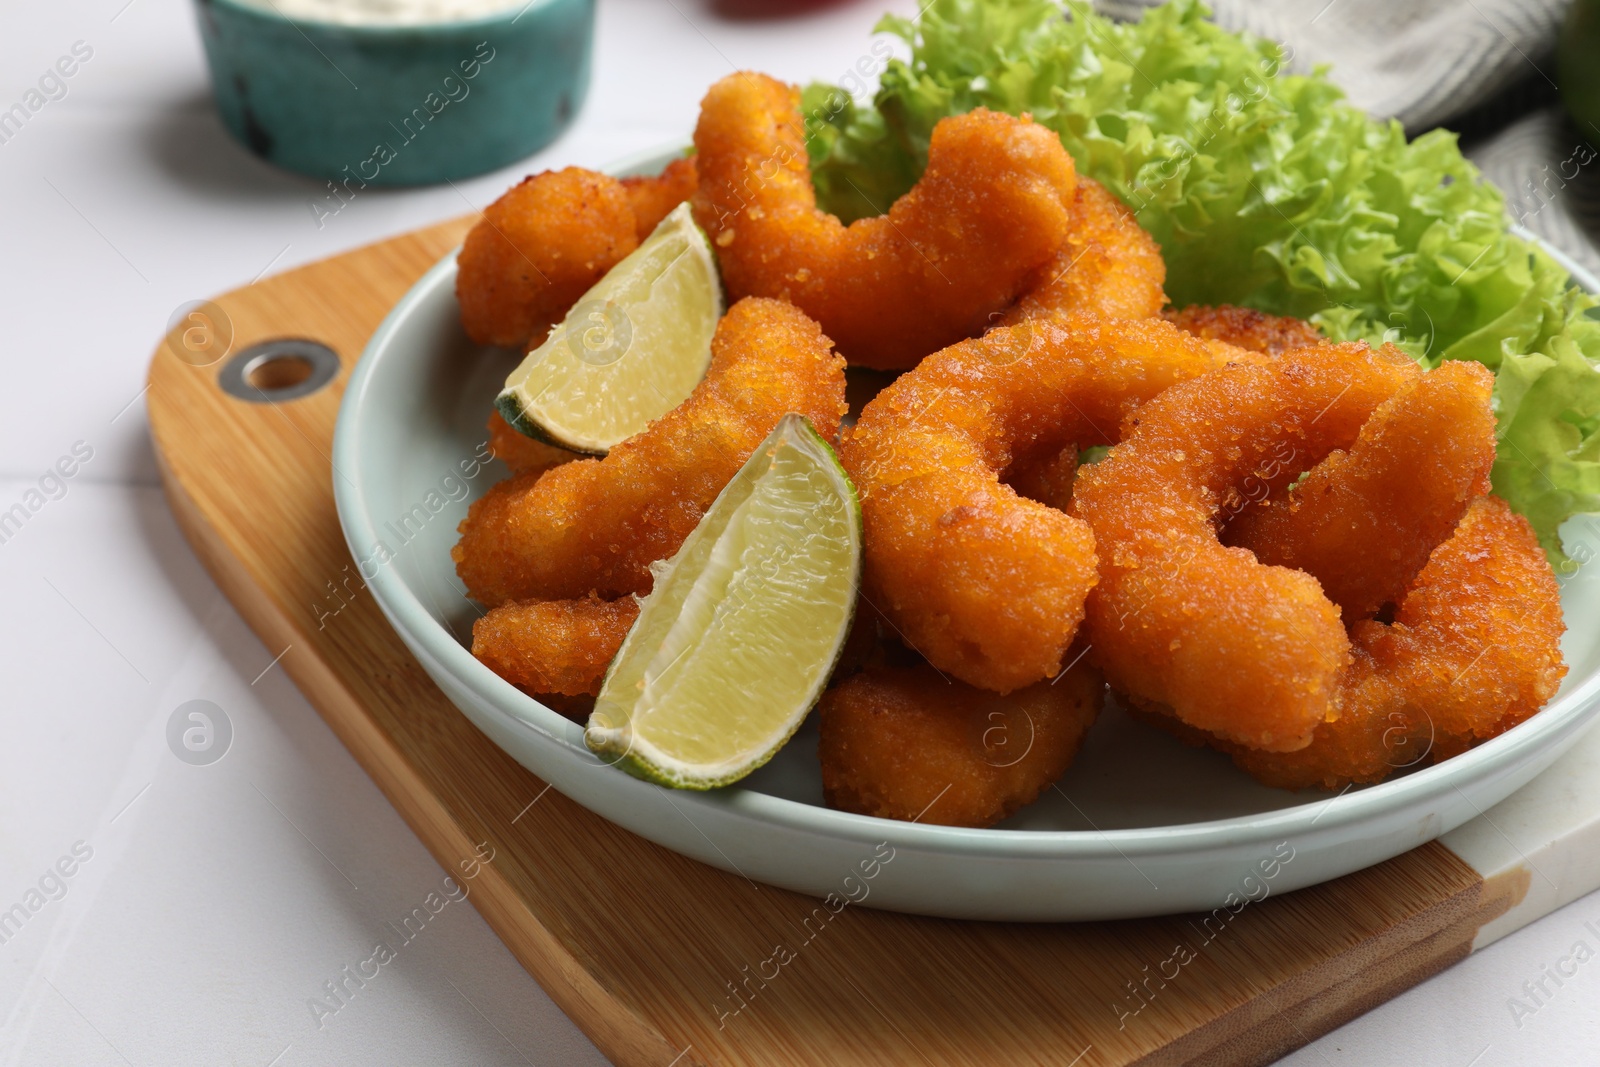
point(660, 959)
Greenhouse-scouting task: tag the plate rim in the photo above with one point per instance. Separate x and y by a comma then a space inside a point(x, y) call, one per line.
point(1575, 711)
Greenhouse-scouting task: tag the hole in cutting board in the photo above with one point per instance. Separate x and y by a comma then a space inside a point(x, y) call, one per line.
point(275, 371)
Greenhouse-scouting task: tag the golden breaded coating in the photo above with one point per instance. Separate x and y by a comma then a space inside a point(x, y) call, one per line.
point(653, 197)
point(1242, 650)
point(519, 451)
point(539, 248)
point(1477, 642)
point(596, 525)
point(554, 646)
point(1364, 521)
point(1475, 649)
point(1121, 282)
point(1371, 739)
point(1246, 328)
point(906, 744)
point(986, 584)
point(992, 208)
point(1108, 266)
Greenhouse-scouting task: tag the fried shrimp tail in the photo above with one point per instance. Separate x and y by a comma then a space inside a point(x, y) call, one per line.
point(596, 525)
point(988, 585)
point(554, 646)
point(904, 743)
point(991, 209)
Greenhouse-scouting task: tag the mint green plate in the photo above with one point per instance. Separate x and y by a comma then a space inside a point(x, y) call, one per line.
point(1140, 825)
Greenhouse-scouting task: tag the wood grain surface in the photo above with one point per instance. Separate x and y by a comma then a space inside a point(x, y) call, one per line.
point(658, 958)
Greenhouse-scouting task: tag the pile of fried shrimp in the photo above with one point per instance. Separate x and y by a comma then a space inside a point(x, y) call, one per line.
point(1290, 552)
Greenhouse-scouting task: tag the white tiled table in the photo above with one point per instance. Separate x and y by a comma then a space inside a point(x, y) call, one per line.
point(217, 900)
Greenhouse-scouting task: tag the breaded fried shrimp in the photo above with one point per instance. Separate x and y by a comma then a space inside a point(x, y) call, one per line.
point(1364, 521)
point(986, 584)
point(596, 525)
point(1246, 328)
point(991, 209)
point(1372, 738)
point(1477, 642)
point(1108, 266)
point(554, 646)
point(1475, 649)
point(1369, 741)
point(539, 248)
point(1248, 652)
point(653, 197)
point(520, 452)
point(904, 743)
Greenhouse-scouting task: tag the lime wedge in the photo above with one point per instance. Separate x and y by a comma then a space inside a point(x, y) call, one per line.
point(743, 626)
point(632, 349)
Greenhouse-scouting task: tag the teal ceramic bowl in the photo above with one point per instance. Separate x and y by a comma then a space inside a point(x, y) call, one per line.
point(397, 105)
point(1140, 825)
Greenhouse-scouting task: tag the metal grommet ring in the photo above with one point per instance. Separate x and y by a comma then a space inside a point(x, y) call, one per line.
point(275, 371)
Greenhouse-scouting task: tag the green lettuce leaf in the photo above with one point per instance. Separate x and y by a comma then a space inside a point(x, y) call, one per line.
point(1265, 189)
point(865, 172)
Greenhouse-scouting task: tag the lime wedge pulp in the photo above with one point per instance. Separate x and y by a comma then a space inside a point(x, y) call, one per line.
point(630, 350)
point(737, 638)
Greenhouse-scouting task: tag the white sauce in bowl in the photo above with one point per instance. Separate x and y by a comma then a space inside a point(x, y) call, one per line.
point(386, 12)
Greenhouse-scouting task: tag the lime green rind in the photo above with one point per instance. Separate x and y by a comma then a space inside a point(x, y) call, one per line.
point(619, 742)
point(511, 410)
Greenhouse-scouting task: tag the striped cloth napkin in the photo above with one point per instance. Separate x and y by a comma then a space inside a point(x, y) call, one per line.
point(1483, 67)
